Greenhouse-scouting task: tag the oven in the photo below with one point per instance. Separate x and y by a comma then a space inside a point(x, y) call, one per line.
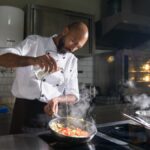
point(113, 69)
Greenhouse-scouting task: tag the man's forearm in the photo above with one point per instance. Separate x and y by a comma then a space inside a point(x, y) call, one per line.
point(67, 98)
point(13, 60)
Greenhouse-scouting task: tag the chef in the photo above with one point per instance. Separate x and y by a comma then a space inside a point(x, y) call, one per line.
point(46, 75)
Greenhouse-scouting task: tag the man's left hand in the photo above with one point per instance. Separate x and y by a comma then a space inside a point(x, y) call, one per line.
point(51, 107)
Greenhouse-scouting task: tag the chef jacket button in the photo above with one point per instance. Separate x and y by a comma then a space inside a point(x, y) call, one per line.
point(42, 95)
point(57, 84)
point(64, 57)
point(70, 70)
point(62, 71)
point(44, 79)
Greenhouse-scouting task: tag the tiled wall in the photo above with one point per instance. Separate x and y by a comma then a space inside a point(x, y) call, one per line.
point(6, 79)
point(85, 68)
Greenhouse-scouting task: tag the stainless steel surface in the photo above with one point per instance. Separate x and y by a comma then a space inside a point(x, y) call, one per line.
point(116, 141)
point(22, 142)
point(122, 141)
point(138, 120)
point(116, 123)
point(144, 122)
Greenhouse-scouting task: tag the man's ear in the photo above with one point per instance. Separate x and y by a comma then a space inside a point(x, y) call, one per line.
point(65, 31)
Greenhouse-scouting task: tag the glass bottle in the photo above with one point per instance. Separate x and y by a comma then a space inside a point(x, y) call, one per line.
point(39, 72)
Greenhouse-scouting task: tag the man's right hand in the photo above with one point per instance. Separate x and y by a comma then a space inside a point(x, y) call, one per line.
point(46, 62)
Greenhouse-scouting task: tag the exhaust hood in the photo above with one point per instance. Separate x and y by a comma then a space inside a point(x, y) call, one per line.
point(127, 28)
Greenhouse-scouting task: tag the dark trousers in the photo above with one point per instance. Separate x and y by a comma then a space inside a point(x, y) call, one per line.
point(28, 114)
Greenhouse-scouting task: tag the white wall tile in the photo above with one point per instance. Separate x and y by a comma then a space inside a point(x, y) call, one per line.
point(6, 79)
point(85, 65)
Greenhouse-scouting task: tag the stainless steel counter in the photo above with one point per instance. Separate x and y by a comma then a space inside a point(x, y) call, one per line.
point(22, 142)
point(127, 134)
point(116, 123)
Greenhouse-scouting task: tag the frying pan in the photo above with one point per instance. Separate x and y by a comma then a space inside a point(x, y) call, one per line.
point(69, 121)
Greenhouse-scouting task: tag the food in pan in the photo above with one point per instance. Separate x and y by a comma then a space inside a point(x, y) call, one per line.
point(69, 131)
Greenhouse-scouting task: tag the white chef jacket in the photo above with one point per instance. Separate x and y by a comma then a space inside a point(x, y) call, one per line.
point(27, 86)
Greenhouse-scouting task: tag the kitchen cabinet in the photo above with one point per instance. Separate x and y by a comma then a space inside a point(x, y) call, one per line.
point(46, 21)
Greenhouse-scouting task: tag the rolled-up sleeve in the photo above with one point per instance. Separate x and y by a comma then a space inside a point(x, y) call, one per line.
point(23, 48)
point(72, 84)
point(9, 50)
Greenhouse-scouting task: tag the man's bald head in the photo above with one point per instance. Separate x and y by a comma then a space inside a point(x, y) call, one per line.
point(73, 37)
point(78, 26)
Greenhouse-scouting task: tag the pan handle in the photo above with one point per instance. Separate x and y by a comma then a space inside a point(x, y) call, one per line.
point(132, 118)
point(144, 122)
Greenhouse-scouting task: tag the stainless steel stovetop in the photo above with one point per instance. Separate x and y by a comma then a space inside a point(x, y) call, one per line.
point(122, 135)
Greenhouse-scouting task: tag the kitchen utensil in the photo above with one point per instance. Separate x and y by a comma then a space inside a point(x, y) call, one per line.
point(144, 122)
point(138, 120)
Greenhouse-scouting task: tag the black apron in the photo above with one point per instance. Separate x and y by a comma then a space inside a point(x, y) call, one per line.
point(28, 117)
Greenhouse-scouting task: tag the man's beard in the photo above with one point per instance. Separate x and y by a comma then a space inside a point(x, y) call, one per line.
point(60, 46)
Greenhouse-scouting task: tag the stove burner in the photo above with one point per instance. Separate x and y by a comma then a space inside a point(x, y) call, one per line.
point(83, 146)
point(97, 143)
point(133, 134)
point(58, 145)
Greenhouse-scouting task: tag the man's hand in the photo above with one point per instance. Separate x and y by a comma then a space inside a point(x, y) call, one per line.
point(46, 62)
point(51, 107)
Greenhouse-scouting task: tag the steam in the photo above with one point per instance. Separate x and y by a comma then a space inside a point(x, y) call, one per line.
point(83, 108)
point(130, 84)
point(140, 101)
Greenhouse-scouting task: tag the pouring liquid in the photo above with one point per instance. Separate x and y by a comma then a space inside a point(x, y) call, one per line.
point(67, 110)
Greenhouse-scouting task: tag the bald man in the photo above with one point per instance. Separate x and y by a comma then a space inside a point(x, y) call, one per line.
point(39, 91)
